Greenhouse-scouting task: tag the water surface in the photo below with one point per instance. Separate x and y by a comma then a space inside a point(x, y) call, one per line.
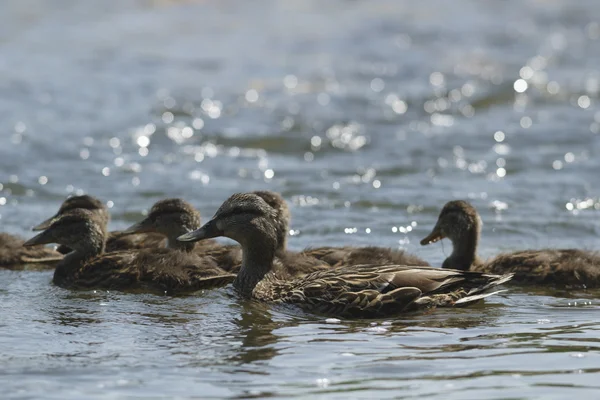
point(367, 116)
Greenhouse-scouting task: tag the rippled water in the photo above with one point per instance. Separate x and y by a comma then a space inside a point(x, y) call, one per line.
point(367, 116)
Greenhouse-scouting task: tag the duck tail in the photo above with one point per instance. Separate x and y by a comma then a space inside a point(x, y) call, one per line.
point(494, 280)
point(481, 292)
point(465, 301)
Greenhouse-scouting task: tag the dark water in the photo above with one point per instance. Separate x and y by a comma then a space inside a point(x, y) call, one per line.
point(367, 116)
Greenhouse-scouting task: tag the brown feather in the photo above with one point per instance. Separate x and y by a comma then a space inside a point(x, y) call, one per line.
point(16, 257)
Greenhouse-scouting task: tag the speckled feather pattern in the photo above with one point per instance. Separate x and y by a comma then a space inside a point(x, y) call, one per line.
point(375, 290)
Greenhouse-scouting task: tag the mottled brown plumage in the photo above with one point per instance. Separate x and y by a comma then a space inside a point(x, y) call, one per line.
point(158, 270)
point(460, 222)
point(16, 257)
point(115, 240)
point(352, 290)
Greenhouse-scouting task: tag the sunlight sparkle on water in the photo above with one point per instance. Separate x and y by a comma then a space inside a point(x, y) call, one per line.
point(520, 85)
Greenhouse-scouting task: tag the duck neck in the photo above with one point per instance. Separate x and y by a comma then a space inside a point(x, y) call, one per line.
point(256, 263)
point(464, 251)
point(68, 266)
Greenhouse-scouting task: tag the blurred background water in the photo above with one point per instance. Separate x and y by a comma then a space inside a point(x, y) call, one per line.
point(367, 116)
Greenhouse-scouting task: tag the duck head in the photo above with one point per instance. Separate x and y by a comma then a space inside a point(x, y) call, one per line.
point(85, 202)
point(459, 222)
point(80, 229)
point(243, 217)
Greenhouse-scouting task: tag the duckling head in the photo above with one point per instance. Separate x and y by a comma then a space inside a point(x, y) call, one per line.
point(457, 219)
point(85, 202)
point(170, 217)
point(79, 229)
point(459, 222)
point(243, 217)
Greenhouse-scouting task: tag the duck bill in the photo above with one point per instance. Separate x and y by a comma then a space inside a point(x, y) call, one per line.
point(41, 238)
point(141, 227)
point(44, 225)
point(207, 231)
point(435, 236)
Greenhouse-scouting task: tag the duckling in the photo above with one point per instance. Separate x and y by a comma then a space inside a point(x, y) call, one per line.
point(336, 256)
point(87, 266)
point(16, 257)
point(116, 239)
point(460, 222)
point(175, 217)
point(350, 290)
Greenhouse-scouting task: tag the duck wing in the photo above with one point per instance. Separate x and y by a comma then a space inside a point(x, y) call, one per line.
point(380, 290)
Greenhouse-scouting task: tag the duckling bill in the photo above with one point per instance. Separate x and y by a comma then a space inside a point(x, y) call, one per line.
point(349, 290)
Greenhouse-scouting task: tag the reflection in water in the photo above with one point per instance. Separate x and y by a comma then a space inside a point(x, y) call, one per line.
point(255, 328)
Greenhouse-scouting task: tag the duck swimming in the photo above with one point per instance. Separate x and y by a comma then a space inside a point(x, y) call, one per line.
point(175, 217)
point(16, 257)
point(116, 239)
point(88, 266)
point(460, 222)
point(351, 290)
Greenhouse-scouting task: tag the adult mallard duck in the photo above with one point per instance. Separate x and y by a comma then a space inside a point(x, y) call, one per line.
point(175, 217)
point(116, 239)
point(460, 222)
point(352, 290)
point(87, 266)
point(16, 257)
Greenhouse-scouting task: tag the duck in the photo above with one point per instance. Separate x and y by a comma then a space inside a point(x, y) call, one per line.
point(117, 240)
point(460, 222)
point(88, 266)
point(14, 256)
point(174, 217)
point(357, 291)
